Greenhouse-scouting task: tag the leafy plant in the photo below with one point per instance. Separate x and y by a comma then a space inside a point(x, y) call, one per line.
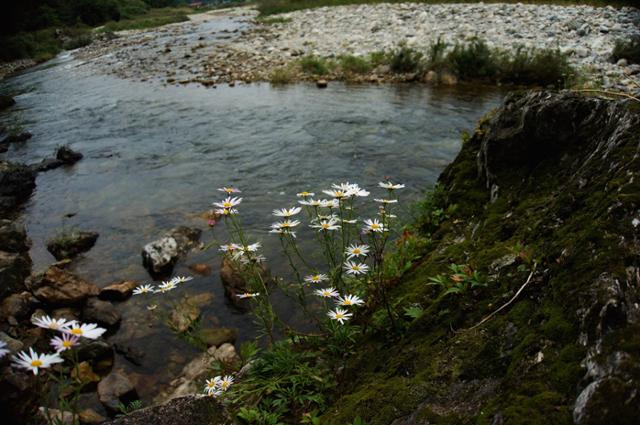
point(404, 59)
point(314, 65)
point(628, 49)
point(414, 311)
point(460, 279)
point(355, 64)
point(125, 409)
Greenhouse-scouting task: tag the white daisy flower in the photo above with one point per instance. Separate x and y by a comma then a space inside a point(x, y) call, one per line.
point(331, 224)
point(330, 203)
point(386, 201)
point(390, 186)
point(305, 194)
point(316, 278)
point(228, 203)
point(340, 315)
point(311, 202)
point(283, 232)
point(349, 300)
point(353, 189)
point(285, 225)
point(226, 211)
point(3, 349)
point(166, 286)
point(373, 226)
point(259, 258)
point(248, 295)
point(382, 212)
point(181, 279)
point(338, 193)
point(229, 190)
point(143, 289)
point(229, 247)
point(252, 248)
point(327, 293)
point(87, 330)
point(212, 385)
point(34, 361)
point(345, 221)
point(65, 343)
point(355, 268)
point(226, 382)
point(50, 323)
point(284, 212)
point(357, 251)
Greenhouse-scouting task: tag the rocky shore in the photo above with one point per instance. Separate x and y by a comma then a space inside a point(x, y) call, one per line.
point(251, 49)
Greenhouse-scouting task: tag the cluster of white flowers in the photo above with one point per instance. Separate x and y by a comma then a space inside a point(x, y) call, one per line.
point(216, 386)
point(70, 333)
point(163, 287)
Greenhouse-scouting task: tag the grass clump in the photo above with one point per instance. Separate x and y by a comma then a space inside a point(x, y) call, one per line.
point(354, 64)
point(405, 59)
point(627, 49)
point(315, 65)
point(153, 18)
point(474, 60)
point(280, 76)
point(548, 67)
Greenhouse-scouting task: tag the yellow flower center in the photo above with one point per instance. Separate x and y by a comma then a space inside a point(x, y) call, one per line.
point(211, 385)
point(67, 344)
point(76, 331)
point(357, 251)
point(356, 268)
point(225, 384)
point(339, 315)
point(375, 226)
point(325, 225)
point(36, 363)
point(347, 302)
point(227, 205)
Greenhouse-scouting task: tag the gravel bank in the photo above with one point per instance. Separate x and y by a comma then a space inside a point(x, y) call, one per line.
point(247, 50)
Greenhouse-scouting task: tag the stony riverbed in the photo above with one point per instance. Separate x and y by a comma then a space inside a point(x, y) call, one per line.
point(231, 45)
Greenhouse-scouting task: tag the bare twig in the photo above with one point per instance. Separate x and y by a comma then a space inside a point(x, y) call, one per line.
point(607, 92)
point(524, 285)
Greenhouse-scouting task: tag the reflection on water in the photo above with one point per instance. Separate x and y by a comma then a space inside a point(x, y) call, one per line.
point(154, 156)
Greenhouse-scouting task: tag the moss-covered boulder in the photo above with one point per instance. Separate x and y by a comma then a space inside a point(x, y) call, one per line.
point(543, 200)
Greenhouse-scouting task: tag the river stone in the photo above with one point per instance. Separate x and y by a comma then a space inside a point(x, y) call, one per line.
point(187, 410)
point(17, 181)
point(17, 138)
point(118, 291)
point(64, 156)
point(160, 256)
point(94, 351)
point(71, 244)
point(102, 312)
point(14, 269)
point(90, 416)
point(234, 283)
point(183, 316)
point(201, 269)
point(215, 337)
point(13, 344)
point(84, 373)
point(18, 305)
point(13, 237)
point(114, 389)
point(59, 287)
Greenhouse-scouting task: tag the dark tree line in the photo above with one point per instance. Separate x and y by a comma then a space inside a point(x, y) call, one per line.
point(31, 15)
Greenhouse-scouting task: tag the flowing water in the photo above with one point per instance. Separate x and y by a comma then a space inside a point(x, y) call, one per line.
point(154, 156)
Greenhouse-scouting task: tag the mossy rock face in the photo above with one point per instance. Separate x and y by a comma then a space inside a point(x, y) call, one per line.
point(69, 245)
point(549, 179)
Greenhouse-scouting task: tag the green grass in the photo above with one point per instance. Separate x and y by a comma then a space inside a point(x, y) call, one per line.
point(315, 65)
point(43, 44)
point(354, 64)
point(272, 7)
point(627, 49)
point(153, 18)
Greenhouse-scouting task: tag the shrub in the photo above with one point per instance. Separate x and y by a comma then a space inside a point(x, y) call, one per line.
point(355, 64)
point(627, 49)
point(281, 76)
point(436, 58)
point(405, 59)
point(314, 65)
point(77, 42)
point(473, 60)
point(548, 67)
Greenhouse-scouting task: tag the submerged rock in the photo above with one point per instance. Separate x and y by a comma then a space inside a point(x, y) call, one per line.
point(69, 245)
point(234, 282)
point(16, 138)
point(101, 312)
point(59, 287)
point(65, 156)
point(160, 256)
point(215, 337)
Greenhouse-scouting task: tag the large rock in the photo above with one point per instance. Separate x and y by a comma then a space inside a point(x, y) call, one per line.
point(17, 181)
point(188, 410)
point(69, 245)
point(59, 287)
point(18, 305)
point(6, 102)
point(19, 395)
point(160, 256)
point(118, 291)
point(14, 269)
point(183, 316)
point(101, 312)
point(114, 389)
point(215, 337)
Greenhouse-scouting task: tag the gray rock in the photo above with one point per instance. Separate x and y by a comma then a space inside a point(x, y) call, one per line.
point(13, 344)
point(114, 389)
point(17, 181)
point(188, 410)
point(160, 256)
point(13, 237)
point(622, 62)
point(18, 305)
point(64, 156)
point(14, 269)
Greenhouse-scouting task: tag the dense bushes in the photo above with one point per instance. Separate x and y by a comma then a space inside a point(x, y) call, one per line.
point(627, 49)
